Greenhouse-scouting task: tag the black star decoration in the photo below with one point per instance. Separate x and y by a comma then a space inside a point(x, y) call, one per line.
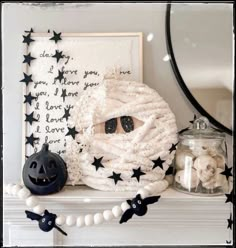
point(28, 59)
point(227, 172)
point(194, 118)
point(137, 173)
point(30, 118)
point(230, 222)
point(97, 163)
point(58, 55)
point(183, 130)
point(66, 114)
point(229, 197)
point(27, 79)
point(56, 37)
point(63, 94)
point(31, 140)
point(29, 98)
point(173, 147)
point(29, 31)
point(60, 75)
point(72, 132)
point(158, 163)
point(169, 171)
point(27, 39)
point(116, 177)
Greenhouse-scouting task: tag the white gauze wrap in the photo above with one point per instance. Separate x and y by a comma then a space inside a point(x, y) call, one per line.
point(121, 152)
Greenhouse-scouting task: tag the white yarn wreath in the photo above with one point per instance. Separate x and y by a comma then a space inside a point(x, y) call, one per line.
point(154, 133)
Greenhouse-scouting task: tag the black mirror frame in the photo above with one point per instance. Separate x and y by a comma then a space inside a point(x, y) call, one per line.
point(180, 80)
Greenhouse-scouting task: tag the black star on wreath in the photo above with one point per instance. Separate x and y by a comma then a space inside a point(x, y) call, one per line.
point(97, 163)
point(63, 94)
point(30, 118)
point(230, 222)
point(66, 114)
point(227, 172)
point(28, 59)
point(116, 177)
point(72, 132)
point(56, 37)
point(58, 55)
point(173, 147)
point(27, 79)
point(169, 171)
point(29, 98)
point(31, 140)
point(158, 163)
point(27, 39)
point(60, 75)
point(137, 173)
point(229, 197)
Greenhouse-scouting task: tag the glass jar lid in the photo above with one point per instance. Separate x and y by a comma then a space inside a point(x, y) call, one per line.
point(201, 129)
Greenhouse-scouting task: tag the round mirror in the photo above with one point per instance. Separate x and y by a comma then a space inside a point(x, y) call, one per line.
point(200, 44)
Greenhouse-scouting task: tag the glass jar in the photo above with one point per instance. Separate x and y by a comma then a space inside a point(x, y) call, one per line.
point(200, 159)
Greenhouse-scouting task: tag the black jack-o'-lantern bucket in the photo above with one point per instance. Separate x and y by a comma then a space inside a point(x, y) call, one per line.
point(44, 172)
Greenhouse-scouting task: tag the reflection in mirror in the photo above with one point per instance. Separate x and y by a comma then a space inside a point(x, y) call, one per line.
point(202, 42)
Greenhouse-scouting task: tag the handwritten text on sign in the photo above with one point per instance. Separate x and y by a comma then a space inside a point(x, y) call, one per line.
point(83, 63)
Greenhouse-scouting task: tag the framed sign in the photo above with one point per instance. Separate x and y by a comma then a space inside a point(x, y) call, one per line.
point(57, 71)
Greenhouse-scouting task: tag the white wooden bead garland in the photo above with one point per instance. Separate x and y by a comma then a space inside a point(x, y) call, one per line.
point(32, 201)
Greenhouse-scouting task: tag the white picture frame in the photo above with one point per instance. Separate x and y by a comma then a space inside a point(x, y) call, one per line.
point(127, 46)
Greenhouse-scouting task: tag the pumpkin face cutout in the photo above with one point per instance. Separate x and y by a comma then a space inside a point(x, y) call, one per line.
point(44, 172)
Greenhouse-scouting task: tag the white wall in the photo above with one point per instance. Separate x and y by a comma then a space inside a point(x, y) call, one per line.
point(146, 18)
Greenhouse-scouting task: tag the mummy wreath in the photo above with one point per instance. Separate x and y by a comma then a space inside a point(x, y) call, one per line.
point(125, 137)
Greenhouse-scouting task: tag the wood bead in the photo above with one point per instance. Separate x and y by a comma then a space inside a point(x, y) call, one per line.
point(23, 193)
point(31, 201)
point(80, 221)
point(38, 209)
point(124, 206)
point(9, 188)
point(98, 219)
point(117, 211)
point(149, 188)
point(60, 220)
point(70, 220)
point(107, 214)
point(15, 189)
point(88, 220)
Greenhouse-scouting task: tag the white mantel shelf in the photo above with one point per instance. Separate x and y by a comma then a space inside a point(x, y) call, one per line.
point(176, 219)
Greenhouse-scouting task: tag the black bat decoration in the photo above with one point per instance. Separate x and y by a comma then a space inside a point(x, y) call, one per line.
point(46, 222)
point(138, 206)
